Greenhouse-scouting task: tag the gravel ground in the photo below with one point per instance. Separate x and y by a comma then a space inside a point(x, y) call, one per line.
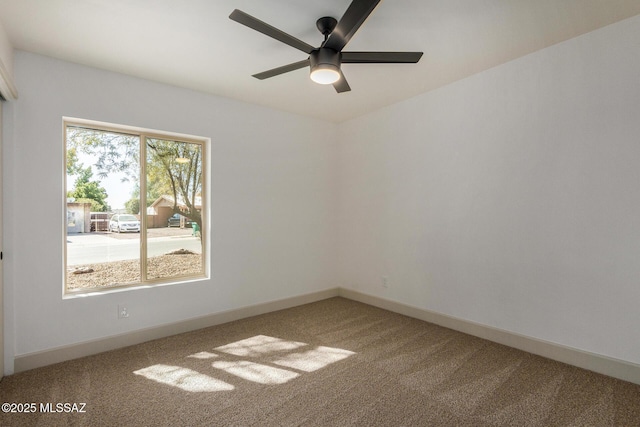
point(111, 274)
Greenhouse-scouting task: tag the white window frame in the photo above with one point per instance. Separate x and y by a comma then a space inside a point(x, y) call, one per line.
point(143, 134)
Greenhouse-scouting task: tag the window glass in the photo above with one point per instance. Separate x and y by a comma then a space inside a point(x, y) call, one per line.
point(130, 222)
point(174, 184)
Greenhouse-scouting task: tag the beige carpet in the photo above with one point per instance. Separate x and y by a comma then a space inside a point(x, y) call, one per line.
point(331, 363)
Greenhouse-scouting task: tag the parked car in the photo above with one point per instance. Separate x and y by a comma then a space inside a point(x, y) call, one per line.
point(176, 219)
point(124, 222)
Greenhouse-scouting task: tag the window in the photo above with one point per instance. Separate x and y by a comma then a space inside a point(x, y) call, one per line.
point(135, 206)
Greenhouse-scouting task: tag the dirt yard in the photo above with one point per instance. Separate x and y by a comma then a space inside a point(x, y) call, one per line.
point(118, 273)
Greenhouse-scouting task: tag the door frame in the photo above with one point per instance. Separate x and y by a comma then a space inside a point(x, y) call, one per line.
point(1, 262)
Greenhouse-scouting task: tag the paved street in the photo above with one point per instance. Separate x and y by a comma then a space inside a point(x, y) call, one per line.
point(90, 248)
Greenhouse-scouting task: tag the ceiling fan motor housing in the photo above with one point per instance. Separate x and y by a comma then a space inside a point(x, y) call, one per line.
point(325, 58)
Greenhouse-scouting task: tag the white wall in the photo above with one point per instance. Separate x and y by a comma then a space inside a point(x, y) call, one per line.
point(272, 182)
point(510, 198)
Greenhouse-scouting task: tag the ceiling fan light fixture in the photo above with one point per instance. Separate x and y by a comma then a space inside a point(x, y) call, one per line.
point(325, 74)
point(325, 66)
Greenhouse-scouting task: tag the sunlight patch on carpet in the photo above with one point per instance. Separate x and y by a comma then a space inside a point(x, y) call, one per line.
point(259, 345)
point(313, 360)
point(183, 378)
point(256, 372)
point(257, 355)
point(276, 351)
point(204, 355)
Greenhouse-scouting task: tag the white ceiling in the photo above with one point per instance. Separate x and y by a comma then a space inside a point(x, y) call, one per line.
point(193, 43)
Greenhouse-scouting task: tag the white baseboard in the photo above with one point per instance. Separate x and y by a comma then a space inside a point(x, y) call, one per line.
point(60, 354)
point(615, 368)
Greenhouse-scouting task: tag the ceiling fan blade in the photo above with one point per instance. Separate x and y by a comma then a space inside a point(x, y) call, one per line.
point(356, 14)
point(341, 85)
point(281, 70)
point(264, 28)
point(380, 57)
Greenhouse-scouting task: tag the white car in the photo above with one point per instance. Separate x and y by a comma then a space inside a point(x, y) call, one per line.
point(124, 222)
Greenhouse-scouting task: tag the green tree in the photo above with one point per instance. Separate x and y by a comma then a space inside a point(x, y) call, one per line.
point(91, 191)
point(133, 206)
point(73, 166)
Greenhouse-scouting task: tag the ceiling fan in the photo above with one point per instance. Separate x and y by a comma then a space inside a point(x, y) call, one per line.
point(325, 61)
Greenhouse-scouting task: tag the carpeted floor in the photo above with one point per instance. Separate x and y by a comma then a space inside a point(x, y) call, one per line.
point(331, 363)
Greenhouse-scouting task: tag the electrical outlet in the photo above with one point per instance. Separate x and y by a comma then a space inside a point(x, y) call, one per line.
point(385, 282)
point(123, 312)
